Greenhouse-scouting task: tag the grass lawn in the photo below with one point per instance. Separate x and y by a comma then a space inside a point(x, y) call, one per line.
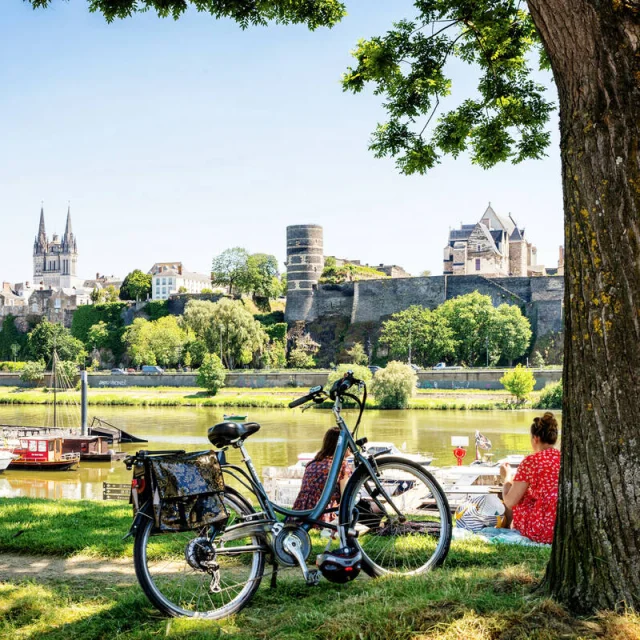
point(244, 397)
point(484, 592)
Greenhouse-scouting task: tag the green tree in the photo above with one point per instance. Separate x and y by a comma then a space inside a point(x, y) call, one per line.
point(198, 316)
point(511, 332)
point(110, 294)
point(394, 385)
point(230, 268)
point(303, 349)
point(319, 13)
point(262, 279)
point(9, 335)
point(211, 374)
point(167, 340)
point(136, 286)
point(519, 382)
point(427, 332)
point(537, 360)
point(358, 355)
point(137, 338)
point(471, 320)
point(551, 396)
point(242, 336)
point(98, 335)
point(45, 335)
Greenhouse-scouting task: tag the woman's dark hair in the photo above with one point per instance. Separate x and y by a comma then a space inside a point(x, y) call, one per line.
point(545, 428)
point(329, 444)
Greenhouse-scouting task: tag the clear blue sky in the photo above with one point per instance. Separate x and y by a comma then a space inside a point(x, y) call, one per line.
point(176, 140)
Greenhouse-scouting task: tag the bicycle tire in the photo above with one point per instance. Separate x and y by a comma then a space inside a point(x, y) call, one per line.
point(234, 502)
point(372, 523)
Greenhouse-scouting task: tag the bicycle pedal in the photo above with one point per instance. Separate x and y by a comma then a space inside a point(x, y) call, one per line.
point(313, 578)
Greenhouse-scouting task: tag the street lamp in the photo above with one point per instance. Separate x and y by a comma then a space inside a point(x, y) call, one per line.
point(487, 344)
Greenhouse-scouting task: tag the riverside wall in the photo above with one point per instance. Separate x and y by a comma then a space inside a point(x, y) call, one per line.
point(428, 379)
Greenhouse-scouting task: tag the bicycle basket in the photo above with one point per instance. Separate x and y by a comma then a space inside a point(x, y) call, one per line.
point(186, 491)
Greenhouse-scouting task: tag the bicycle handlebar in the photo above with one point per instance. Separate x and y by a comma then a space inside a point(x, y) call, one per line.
point(313, 392)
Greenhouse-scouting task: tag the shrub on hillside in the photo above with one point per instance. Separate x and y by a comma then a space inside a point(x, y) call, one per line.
point(211, 374)
point(358, 355)
point(551, 397)
point(33, 372)
point(519, 382)
point(394, 385)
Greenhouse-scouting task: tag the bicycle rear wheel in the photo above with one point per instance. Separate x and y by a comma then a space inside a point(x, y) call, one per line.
point(184, 575)
point(406, 543)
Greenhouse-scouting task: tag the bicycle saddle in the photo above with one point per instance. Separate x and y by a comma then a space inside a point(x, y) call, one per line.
point(226, 433)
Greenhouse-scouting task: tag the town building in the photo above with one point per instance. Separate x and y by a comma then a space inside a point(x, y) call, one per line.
point(169, 278)
point(492, 247)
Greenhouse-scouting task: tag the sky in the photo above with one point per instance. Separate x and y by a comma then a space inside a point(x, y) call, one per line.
point(174, 140)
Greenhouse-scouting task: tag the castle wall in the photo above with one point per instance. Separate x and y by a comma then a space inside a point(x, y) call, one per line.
point(372, 301)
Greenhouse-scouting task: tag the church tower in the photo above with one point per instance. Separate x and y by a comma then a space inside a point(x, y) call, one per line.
point(55, 262)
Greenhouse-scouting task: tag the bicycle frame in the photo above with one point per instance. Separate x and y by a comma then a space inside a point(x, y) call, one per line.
point(307, 518)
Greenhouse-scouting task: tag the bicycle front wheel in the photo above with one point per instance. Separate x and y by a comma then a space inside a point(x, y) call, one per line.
point(187, 575)
point(405, 532)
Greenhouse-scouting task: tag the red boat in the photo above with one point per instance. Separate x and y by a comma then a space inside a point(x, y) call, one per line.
point(43, 454)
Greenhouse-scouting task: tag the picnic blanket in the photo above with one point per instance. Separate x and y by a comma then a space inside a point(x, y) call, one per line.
point(497, 536)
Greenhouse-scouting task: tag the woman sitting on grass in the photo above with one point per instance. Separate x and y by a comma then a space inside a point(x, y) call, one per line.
point(316, 474)
point(531, 496)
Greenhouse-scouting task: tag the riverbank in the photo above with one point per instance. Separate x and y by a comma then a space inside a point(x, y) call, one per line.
point(275, 398)
point(82, 586)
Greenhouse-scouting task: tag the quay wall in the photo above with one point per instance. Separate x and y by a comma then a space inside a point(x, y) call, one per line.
point(428, 379)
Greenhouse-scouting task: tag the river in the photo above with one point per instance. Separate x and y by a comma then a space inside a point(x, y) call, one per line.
point(284, 434)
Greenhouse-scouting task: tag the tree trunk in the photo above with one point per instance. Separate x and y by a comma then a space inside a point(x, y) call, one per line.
point(594, 50)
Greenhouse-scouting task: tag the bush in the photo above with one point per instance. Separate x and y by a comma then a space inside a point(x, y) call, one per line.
point(359, 372)
point(394, 385)
point(66, 372)
point(301, 359)
point(12, 367)
point(33, 372)
point(519, 382)
point(537, 360)
point(551, 397)
point(211, 374)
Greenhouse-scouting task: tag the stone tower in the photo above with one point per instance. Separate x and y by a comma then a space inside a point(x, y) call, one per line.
point(305, 261)
point(55, 262)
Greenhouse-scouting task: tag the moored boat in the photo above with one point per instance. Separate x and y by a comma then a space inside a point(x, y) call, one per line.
point(91, 448)
point(42, 454)
point(5, 458)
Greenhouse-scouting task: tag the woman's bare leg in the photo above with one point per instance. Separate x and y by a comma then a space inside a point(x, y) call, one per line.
point(506, 487)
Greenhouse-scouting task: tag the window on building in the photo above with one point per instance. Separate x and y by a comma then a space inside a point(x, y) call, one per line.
point(477, 264)
point(56, 303)
point(479, 247)
point(164, 281)
point(169, 281)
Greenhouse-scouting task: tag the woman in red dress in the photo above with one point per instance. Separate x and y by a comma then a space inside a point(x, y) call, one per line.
point(316, 474)
point(531, 496)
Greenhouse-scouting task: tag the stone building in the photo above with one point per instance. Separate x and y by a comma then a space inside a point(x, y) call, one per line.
point(55, 261)
point(493, 247)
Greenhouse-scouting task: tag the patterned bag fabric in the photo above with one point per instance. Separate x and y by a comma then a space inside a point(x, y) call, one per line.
point(480, 512)
point(186, 490)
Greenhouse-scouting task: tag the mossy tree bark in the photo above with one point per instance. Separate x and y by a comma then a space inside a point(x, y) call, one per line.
point(595, 55)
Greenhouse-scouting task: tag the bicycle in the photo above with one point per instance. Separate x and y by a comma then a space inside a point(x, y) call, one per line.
point(393, 513)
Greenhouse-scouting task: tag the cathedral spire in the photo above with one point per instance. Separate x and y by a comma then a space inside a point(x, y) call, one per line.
point(68, 232)
point(42, 235)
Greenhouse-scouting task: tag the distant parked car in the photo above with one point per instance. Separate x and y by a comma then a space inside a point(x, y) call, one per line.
point(440, 365)
point(118, 372)
point(374, 369)
point(415, 367)
point(152, 369)
point(130, 370)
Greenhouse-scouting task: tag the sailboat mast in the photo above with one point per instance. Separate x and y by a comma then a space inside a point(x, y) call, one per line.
point(55, 385)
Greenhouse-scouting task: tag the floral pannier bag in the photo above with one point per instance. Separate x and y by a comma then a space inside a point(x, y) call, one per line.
point(185, 490)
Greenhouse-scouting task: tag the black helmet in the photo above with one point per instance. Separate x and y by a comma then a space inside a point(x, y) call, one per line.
point(342, 565)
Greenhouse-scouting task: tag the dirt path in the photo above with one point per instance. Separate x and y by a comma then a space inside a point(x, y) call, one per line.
point(115, 571)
